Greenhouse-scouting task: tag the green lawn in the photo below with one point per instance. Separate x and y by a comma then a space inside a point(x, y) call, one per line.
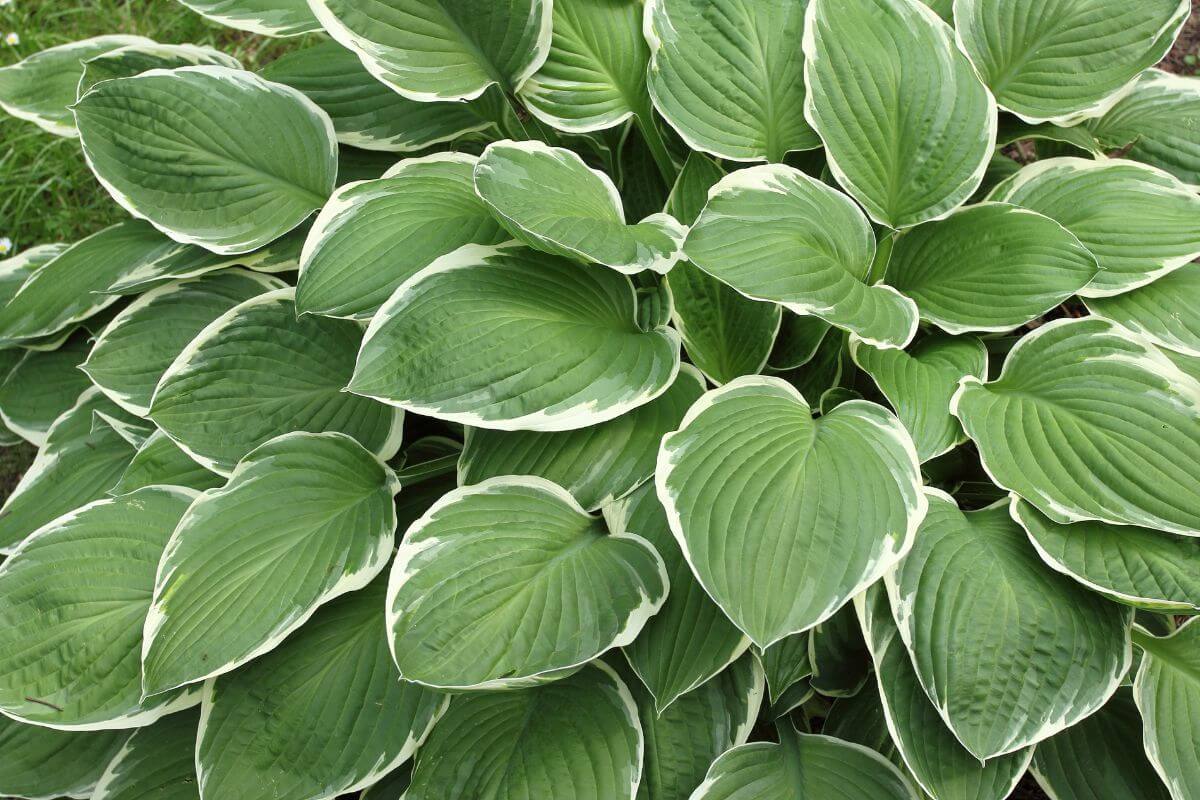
point(46, 191)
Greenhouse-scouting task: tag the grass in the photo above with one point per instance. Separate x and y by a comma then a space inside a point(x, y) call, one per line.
point(48, 194)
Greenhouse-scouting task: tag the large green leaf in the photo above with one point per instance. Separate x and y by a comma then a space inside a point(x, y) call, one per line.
point(1100, 758)
point(365, 112)
point(1009, 652)
point(42, 87)
point(136, 348)
point(373, 236)
point(159, 461)
point(1086, 422)
point(438, 50)
point(751, 473)
point(597, 464)
point(690, 639)
point(939, 762)
point(305, 518)
point(510, 582)
point(134, 59)
point(1140, 222)
point(1167, 692)
point(725, 333)
point(40, 387)
point(773, 233)
point(76, 465)
point(550, 199)
point(1161, 311)
point(514, 339)
point(1152, 122)
point(1142, 567)
point(803, 767)
point(291, 375)
point(42, 763)
point(72, 599)
point(268, 17)
point(1063, 60)
point(69, 288)
point(682, 741)
point(989, 267)
point(230, 182)
point(919, 383)
point(322, 716)
point(573, 739)
point(728, 75)
point(907, 127)
point(595, 73)
point(156, 762)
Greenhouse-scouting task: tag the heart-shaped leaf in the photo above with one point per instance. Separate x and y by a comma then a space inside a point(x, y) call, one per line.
point(759, 432)
point(773, 233)
point(483, 583)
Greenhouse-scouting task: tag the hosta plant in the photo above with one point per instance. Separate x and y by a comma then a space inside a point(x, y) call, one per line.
point(612, 400)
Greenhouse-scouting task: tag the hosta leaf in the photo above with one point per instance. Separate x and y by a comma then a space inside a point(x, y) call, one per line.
point(595, 72)
point(859, 719)
point(42, 87)
point(512, 744)
point(231, 182)
point(728, 75)
point(435, 50)
point(1140, 222)
point(725, 333)
point(841, 661)
point(268, 17)
point(1153, 124)
point(550, 199)
point(919, 383)
point(16, 270)
point(513, 339)
point(136, 348)
point(786, 663)
point(373, 236)
point(1009, 652)
point(907, 127)
point(135, 59)
point(44, 763)
point(1063, 60)
point(72, 599)
point(1100, 758)
point(1142, 567)
point(430, 471)
point(989, 267)
point(799, 341)
point(939, 762)
point(292, 372)
point(159, 461)
point(156, 762)
point(510, 581)
point(1167, 692)
point(76, 465)
point(1161, 311)
point(1086, 422)
point(751, 472)
point(391, 787)
point(305, 518)
point(323, 715)
point(365, 112)
point(773, 233)
point(68, 288)
point(682, 741)
point(597, 464)
point(800, 767)
point(690, 639)
point(40, 387)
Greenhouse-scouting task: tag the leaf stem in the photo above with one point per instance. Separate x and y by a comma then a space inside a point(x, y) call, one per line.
point(658, 147)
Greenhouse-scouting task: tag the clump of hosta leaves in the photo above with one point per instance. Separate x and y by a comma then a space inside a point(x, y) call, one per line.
point(608, 400)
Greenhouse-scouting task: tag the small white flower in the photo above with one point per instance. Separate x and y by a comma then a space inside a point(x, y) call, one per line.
point(5, 245)
point(12, 39)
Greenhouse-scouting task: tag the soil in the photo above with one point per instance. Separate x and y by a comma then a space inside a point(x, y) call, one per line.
point(1184, 58)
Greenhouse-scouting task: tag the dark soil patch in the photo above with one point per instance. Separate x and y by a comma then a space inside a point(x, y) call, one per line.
point(1184, 58)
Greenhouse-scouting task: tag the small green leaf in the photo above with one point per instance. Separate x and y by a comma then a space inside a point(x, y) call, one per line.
point(41, 385)
point(841, 661)
point(786, 663)
point(159, 461)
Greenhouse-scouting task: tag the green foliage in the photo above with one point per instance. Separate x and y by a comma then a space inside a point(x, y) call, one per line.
point(457, 407)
